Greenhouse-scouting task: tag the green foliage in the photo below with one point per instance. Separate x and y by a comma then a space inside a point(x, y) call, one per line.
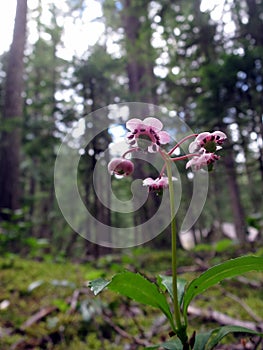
point(143, 291)
point(136, 287)
point(31, 286)
point(255, 220)
point(221, 246)
point(14, 232)
point(218, 334)
point(202, 247)
point(98, 285)
point(166, 281)
point(200, 341)
point(207, 340)
point(169, 345)
point(218, 273)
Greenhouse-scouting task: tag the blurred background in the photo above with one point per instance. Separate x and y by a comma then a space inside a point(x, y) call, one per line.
point(201, 61)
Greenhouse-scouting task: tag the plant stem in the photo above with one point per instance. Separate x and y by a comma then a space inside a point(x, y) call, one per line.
point(187, 156)
point(173, 236)
point(175, 159)
point(180, 142)
point(129, 151)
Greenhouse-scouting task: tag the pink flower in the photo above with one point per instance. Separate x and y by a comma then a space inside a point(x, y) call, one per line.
point(209, 141)
point(204, 160)
point(146, 134)
point(120, 166)
point(158, 184)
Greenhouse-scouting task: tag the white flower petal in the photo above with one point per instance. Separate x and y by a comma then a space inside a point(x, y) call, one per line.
point(133, 124)
point(164, 137)
point(193, 147)
point(154, 123)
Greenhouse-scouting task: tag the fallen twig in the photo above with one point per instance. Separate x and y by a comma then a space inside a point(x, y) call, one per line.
point(123, 333)
point(74, 301)
point(248, 309)
point(223, 319)
point(252, 283)
point(38, 316)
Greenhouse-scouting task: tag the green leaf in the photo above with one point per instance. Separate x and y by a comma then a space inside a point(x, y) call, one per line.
point(201, 340)
point(218, 273)
point(169, 345)
point(98, 285)
point(207, 340)
point(167, 281)
point(219, 333)
point(138, 288)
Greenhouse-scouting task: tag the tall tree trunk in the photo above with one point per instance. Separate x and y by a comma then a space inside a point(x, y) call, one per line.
point(238, 211)
point(255, 24)
point(13, 108)
point(207, 31)
point(139, 51)
point(140, 62)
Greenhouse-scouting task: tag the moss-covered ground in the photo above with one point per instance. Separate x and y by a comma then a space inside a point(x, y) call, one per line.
point(48, 305)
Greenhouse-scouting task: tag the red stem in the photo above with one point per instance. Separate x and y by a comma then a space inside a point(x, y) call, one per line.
point(180, 142)
point(185, 157)
point(179, 158)
point(129, 151)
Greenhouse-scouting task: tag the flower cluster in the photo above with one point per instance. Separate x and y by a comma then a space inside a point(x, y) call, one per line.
point(147, 135)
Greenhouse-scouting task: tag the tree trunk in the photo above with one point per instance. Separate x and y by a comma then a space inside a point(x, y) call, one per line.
point(255, 24)
point(238, 211)
point(140, 62)
point(13, 108)
point(139, 51)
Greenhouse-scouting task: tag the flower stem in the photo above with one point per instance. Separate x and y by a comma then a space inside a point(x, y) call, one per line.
point(187, 156)
point(180, 142)
point(173, 236)
point(129, 151)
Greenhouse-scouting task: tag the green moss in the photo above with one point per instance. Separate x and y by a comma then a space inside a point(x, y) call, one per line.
point(30, 286)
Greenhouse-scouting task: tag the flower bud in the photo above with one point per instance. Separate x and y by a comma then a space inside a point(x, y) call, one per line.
point(120, 166)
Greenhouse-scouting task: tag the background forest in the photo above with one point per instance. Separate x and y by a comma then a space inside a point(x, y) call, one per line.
point(201, 61)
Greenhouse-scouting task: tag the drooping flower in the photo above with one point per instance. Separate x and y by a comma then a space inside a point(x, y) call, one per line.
point(146, 134)
point(157, 184)
point(120, 166)
point(210, 142)
point(202, 161)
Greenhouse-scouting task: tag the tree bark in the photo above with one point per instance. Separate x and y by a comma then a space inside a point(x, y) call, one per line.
point(254, 25)
point(139, 51)
point(238, 211)
point(13, 108)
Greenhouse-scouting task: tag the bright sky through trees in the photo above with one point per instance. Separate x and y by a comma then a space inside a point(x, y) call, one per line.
point(79, 34)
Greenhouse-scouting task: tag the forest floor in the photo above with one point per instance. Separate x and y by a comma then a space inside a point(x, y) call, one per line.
point(48, 305)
